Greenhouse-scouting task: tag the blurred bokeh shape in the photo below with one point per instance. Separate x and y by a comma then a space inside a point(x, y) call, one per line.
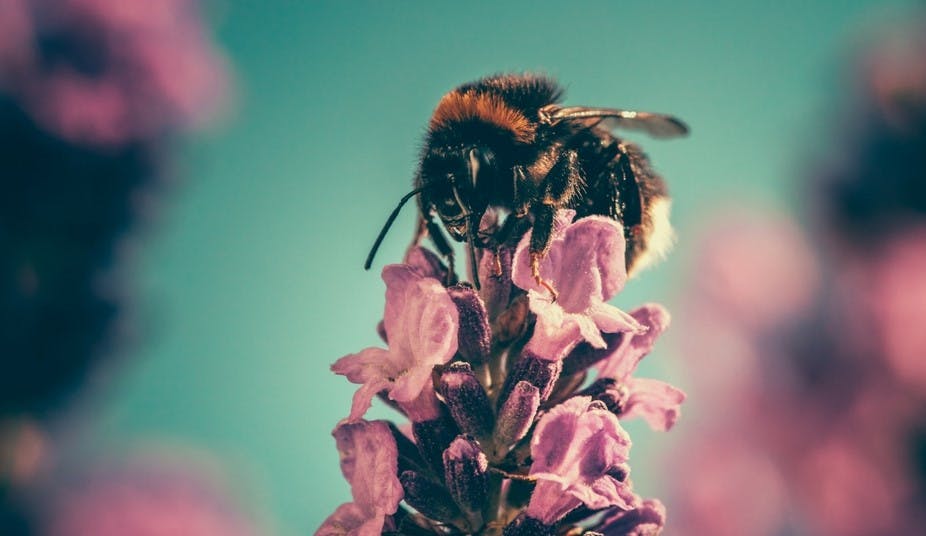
point(156, 493)
point(807, 351)
point(92, 94)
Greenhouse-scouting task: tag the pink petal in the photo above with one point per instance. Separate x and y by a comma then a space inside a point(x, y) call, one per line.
point(369, 461)
point(657, 402)
point(426, 263)
point(363, 398)
point(398, 278)
point(362, 366)
point(521, 264)
point(575, 447)
point(350, 520)
point(646, 519)
point(421, 324)
point(610, 319)
point(585, 263)
point(435, 324)
point(623, 361)
point(596, 244)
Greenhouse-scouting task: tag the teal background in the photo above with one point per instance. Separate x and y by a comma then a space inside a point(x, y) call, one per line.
point(252, 283)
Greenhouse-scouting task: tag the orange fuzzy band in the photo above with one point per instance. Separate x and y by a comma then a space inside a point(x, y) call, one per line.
point(457, 107)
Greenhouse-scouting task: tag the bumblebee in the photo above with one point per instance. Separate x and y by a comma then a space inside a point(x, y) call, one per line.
point(506, 143)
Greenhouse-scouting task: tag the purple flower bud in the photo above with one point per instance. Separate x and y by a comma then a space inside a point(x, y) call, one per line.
point(467, 400)
point(429, 497)
point(408, 455)
point(465, 470)
point(647, 519)
point(528, 526)
point(585, 355)
point(432, 438)
point(517, 414)
point(475, 336)
point(539, 372)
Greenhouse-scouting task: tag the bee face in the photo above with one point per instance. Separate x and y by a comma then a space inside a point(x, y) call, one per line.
point(459, 178)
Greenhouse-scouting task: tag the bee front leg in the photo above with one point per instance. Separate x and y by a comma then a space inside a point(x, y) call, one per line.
point(544, 216)
point(556, 191)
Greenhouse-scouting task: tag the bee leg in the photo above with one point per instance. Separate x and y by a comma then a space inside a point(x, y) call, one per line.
point(540, 243)
point(522, 191)
point(557, 190)
point(421, 231)
point(563, 180)
point(443, 246)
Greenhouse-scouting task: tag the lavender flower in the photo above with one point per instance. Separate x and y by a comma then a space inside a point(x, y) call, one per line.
point(504, 440)
point(585, 265)
point(579, 449)
point(421, 327)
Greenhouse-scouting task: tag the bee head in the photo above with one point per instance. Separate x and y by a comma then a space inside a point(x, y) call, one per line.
point(460, 184)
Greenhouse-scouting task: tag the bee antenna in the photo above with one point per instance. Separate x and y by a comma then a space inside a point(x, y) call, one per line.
point(392, 217)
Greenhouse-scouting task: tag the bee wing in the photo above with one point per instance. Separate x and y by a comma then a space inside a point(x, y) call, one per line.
point(656, 125)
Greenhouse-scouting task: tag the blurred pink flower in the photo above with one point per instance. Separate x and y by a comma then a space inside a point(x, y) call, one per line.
point(108, 72)
point(738, 489)
point(421, 324)
point(146, 498)
point(892, 298)
point(754, 269)
point(585, 264)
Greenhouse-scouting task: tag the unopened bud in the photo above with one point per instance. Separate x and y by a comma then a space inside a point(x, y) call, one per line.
point(585, 355)
point(465, 468)
point(517, 414)
point(475, 336)
point(539, 372)
point(428, 497)
point(495, 272)
point(432, 438)
point(467, 400)
point(528, 526)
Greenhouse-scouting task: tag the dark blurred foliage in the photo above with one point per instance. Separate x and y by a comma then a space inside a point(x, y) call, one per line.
point(879, 183)
point(63, 209)
point(93, 96)
point(92, 92)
